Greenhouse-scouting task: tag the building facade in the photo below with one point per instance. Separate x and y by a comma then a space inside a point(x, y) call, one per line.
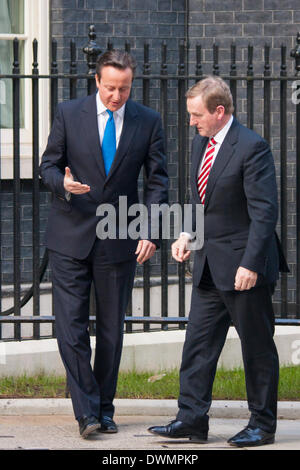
point(198, 25)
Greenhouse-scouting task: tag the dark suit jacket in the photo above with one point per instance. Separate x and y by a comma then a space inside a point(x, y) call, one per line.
point(240, 210)
point(74, 142)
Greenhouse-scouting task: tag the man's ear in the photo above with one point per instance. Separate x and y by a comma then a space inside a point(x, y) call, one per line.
point(221, 111)
point(97, 79)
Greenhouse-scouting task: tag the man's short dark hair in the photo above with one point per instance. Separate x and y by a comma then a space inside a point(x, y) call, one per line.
point(119, 59)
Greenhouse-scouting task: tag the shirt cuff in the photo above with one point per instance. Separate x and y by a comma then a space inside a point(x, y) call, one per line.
point(68, 195)
point(186, 234)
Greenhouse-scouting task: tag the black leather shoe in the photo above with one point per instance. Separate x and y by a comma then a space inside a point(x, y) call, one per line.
point(177, 429)
point(87, 425)
point(108, 425)
point(250, 437)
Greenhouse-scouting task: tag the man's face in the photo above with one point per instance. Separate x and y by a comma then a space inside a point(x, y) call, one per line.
point(114, 86)
point(207, 124)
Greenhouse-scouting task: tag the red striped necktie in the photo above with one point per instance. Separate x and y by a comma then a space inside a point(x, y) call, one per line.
point(204, 173)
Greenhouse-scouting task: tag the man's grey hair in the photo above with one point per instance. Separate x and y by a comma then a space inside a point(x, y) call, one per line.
point(214, 92)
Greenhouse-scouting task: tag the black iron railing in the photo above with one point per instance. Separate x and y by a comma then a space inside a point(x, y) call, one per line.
point(244, 88)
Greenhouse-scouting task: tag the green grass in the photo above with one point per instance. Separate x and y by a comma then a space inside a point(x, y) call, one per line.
point(228, 385)
point(38, 386)
point(136, 385)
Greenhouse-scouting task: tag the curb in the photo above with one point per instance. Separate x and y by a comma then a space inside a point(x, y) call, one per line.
point(153, 352)
point(126, 407)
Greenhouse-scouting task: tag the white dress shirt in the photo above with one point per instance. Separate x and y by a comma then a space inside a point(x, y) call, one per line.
point(102, 116)
point(219, 138)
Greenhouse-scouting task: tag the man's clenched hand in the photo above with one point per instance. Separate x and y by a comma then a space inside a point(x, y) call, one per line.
point(179, 249)
point(145, 250)
point(245, 279)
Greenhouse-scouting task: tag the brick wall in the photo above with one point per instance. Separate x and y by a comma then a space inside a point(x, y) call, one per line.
point(258, 22)
point(134, 21)
point(204, 22)
point(7, 241)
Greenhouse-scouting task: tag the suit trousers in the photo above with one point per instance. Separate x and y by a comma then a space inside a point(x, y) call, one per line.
point(92, 390)
point(211, 314)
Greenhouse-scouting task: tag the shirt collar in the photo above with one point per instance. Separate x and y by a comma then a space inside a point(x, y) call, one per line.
point(220, 136)
point(102, 109)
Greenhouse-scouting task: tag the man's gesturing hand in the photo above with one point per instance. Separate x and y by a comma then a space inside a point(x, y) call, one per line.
point(72, 186)
point(245, 279)
point(179, 249)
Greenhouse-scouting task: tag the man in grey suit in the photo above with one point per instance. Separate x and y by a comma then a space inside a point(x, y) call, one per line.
point(233, 176)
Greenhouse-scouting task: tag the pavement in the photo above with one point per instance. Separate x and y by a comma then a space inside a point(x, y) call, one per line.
point(48, 424)
point(61, 433)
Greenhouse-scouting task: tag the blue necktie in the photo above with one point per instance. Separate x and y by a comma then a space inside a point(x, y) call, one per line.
point(109, 142)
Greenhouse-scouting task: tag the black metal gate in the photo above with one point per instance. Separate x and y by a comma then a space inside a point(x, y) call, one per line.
point(245, 89)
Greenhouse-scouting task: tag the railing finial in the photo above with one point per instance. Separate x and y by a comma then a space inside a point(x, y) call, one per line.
point(92, 50)
point(296, 53)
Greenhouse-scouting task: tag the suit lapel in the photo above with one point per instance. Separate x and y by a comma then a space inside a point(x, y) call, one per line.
point(222, 159)
point(91, 131)
point(130, 125)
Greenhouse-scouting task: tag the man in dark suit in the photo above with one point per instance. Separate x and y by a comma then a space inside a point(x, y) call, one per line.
point(95, 152)
point(235, 271)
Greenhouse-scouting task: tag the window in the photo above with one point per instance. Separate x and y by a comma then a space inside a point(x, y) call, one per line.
point(11, 25)
point(25, 20)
